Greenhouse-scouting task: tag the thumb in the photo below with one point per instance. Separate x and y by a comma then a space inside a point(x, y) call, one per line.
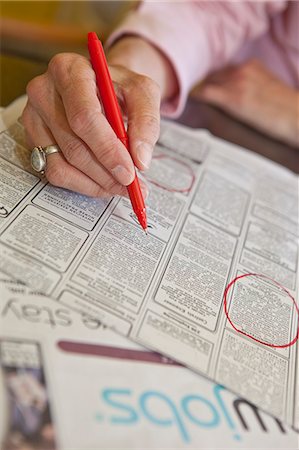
point(143, 111)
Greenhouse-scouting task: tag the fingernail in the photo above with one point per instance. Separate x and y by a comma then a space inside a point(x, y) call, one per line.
point(122, 175)
point(144, 154)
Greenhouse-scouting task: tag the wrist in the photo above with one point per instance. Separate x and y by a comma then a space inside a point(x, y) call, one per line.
point(140, 56)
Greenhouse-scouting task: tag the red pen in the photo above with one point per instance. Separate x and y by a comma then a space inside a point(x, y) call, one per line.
point(114, 117)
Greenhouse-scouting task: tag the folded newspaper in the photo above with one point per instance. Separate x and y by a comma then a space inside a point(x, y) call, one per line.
point(68, 382)
point(214, 284)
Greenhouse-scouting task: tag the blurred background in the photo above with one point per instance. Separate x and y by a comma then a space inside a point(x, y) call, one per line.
point(33, 31)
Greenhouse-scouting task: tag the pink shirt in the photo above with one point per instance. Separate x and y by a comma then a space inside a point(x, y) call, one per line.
point(199, 37)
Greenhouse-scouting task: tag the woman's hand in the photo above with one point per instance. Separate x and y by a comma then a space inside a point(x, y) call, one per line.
point(254, 95)
point(63, 109)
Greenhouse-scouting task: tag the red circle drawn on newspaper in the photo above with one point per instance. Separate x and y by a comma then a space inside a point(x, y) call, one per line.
point(249, 335)
point(189, 169)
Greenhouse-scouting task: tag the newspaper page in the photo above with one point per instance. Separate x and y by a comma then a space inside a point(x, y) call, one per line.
point(214, 283)
point(69, 382)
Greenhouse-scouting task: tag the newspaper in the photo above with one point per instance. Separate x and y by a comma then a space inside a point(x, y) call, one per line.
point(68, 382)
point(214, 283)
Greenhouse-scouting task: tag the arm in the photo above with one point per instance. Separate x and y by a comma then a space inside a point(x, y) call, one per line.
point(196, 37)
point(252, 94)
point(184, 41)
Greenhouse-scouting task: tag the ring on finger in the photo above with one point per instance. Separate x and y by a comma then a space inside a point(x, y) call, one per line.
point(39, 156)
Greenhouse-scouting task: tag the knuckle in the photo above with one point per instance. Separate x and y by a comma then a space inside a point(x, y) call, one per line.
point(146, 85)
point(140, 81)
point(153, 125)
point(58, 62)
point(102, 192)
point(151, 86)
point(108, 153)
point(73, 152)
point(60, 68)
point(36, 89)
point(55, 174)
point(83, 120)
point(63, 67)
point(147, 122)
point(97, 191)
point(112, 186)
point(135, 81)
point(131, 82)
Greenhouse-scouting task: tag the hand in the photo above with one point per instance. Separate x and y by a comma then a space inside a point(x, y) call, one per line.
point(63, 108)
point(253, 95)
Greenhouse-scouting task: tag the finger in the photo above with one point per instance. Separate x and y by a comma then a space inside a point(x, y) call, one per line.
point(142, 98)
point(75, 82)
point(74, 149)
point(58, 171)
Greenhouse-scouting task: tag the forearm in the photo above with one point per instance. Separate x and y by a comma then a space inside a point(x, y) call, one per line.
point(197, 38)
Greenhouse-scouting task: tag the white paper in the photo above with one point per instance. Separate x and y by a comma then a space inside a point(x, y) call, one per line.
point(216, 212)
point(103, 391)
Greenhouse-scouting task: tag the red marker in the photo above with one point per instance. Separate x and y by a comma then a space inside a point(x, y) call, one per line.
point(114, 117)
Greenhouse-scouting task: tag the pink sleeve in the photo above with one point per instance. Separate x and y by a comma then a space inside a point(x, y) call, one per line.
point(197, 36)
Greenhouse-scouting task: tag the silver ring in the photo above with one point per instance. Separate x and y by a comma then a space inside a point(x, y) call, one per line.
point(39, 157)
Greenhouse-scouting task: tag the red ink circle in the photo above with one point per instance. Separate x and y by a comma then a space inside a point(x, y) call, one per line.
point(189, 169)
point(248, 335)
